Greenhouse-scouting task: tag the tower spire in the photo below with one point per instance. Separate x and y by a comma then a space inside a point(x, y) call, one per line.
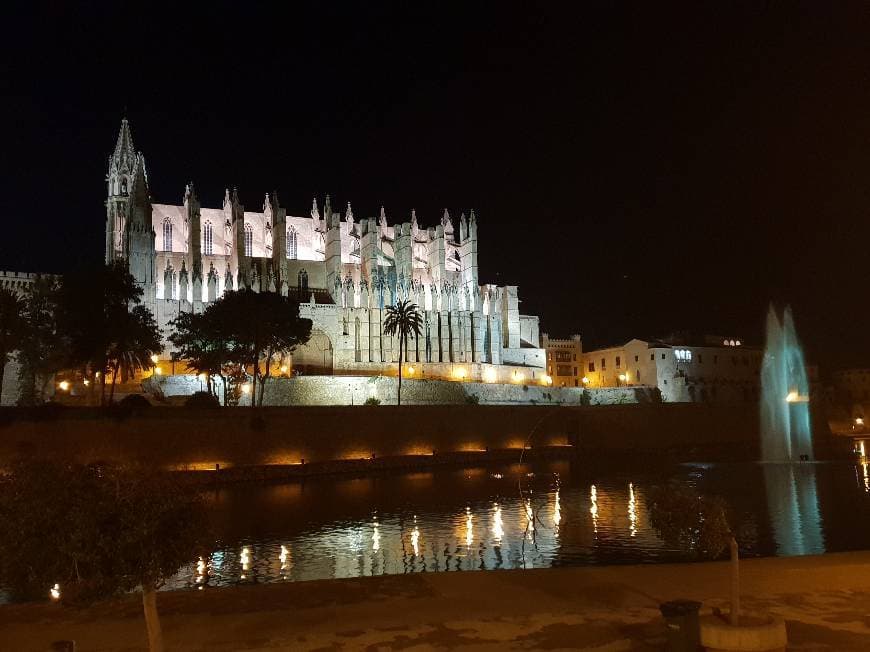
point(124, 157)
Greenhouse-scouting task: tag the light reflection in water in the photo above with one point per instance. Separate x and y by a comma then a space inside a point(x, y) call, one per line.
point(557, 513)
point(378, 536)
point(469, 528)
point(497, 524)
point(415, 538)
point(201, 568)
point(593, 496)
point(864, 466)
point(530, 519)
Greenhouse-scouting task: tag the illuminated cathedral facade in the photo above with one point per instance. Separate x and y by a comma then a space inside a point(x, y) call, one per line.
point(344, 270)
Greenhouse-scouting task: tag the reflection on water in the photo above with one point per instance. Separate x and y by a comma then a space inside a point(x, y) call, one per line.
point(467, 520)
point(794, 505)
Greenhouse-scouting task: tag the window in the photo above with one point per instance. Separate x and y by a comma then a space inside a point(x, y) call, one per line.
point(167, 234)
point(683, 354)
point(637, 375)
point(303, 279)
point(575, 371)
point(207, 239)
point(652, 357)
point(591, 366)
point(635, 358)
point(617, 361)
point(563, 370)
point(700, 358)
point(249, 240)
point(663, 356)
point(291, 243)
point(603, 364)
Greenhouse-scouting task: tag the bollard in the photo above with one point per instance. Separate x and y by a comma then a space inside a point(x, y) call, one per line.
point(681, 620)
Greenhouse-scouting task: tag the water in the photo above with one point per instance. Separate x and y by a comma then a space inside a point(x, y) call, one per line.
point(785, 416)
point(475, 519)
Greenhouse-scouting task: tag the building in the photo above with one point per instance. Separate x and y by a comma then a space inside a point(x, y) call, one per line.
point(714, 369)
point(564, 360)
point(343, 269)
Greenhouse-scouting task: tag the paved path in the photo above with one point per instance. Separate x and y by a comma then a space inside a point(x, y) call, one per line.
point(825, 601)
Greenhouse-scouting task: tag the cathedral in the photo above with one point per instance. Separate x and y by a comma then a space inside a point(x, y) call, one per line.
point(344, 270)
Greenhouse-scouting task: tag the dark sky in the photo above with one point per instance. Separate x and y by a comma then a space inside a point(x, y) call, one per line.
point(635, 170)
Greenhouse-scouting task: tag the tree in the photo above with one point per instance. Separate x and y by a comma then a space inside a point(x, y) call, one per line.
point(96, 309)
point(403, 319)
point(11, 329)
point(43, 347)
point(96, 531)
point(241, 330)
point(137, 339)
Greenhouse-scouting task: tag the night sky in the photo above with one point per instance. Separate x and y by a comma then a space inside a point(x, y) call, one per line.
point(635, 171)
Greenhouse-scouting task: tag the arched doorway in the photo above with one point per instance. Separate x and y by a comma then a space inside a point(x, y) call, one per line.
point(315, 357)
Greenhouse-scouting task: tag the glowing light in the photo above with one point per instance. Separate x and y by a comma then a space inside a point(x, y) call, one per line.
point(460, 373)
point(737, 343)
point(155, 358)
point(415, 538)
point(202, 378)
point(794, 397)
point(859, 421)
point(376, 537)
point(63, 385)
point(200, 571)
point(283, 368)
point(497, 524)
point(86, 382)
point(490, 375)
point(557, 512)
point(410, 371)
point(632, 511)
point(725, 343)
point(622, 377)
point(245, 558)
point(469, 528)
point(546, 379)
point(246, 388)
point(158, 371)
point(519, 376)
point(283, 557)
point(530, 517)
point(866, 468)
point(593, 496)
point(97, 375)
point(585, 380)
point(54, 592)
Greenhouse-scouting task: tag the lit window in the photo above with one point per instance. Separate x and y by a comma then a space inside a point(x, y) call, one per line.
point(291, 243)
point(249, 240)
point(167, 234)
point(207, 239)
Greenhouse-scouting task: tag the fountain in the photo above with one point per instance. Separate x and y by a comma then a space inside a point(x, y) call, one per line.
point(785, 414)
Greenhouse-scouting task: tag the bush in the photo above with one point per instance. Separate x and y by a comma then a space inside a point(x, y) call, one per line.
point(134, 401)
point(585, 398)
point(472, 399)
point(201, 400)
point(371, 400)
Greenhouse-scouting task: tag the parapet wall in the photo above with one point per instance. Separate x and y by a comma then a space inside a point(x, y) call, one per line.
point(184, 437)
point(355, 390)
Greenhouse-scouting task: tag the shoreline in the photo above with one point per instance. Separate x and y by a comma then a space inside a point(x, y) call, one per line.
point(824, 600)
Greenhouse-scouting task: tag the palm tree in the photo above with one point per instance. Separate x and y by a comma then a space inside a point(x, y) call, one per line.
point(403, 319)
point(11, 328)
point(138, 339)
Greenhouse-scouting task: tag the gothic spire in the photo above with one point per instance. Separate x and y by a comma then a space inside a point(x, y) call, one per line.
point(383, 217)
point(315, 213)
point(124, 157)
point(348, 215)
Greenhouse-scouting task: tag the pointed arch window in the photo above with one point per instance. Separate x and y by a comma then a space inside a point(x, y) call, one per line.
point(167, 234)
point(208, 239)
point(291, 243)
point(249, 240)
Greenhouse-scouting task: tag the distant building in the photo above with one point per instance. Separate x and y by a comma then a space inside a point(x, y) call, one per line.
point(564, 360)
point(714, 369)
point(852, 385)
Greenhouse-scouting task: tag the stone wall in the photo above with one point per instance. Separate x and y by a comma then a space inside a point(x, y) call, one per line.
point(354, 390)
point(9, 382)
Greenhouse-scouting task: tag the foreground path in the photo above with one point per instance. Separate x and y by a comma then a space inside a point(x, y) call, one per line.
point(825, 601)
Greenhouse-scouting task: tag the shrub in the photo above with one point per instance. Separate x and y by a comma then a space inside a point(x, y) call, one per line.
point(472, 399)
point(371, 400)
point(201, 400)
point(134, 401)
point(585, 398)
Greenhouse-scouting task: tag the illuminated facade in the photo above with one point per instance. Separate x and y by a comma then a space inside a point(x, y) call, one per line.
point(564, 360)
point(344, 270)
point(716, 369)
